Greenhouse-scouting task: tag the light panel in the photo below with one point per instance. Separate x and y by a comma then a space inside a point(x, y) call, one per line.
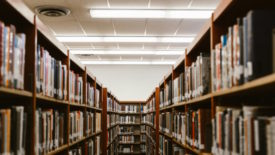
point(126, 52)
point(89, 62)
point(118, 39)
point(151, 14)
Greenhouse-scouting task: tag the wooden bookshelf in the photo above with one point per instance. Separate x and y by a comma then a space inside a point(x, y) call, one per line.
point(36, 32)
point(260, 90)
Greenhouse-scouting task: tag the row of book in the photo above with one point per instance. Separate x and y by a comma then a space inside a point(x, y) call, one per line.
point(179, 130)
point(238, 58)
point(165, 145)
point(197, 77)
point(149, 118)
point(129, 119)
point(112, 105)
point(13, 127)
point(165, 122)
point(129, 130)
point(112, 134)
point(166, 94)
point(76, 125)
point(93, 148)
point(150, 106)
point(129, 108)
point(51, 75)
point(50, 128)
point(12, 57)
point(90, 122)
point(128, 139)
point(112, 119)
point(248, 130)
point(92, 96)
point(178, 89)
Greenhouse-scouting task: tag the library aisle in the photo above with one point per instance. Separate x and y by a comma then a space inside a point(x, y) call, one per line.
point(217, 98)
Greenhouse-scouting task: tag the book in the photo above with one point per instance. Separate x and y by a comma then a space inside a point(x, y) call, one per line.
point(51, 75)
point(76, 125)
point(12, 57)
point(75, 87)
point(90, 119)
point(50, 125)
point(90, 94)
point(98, 122)
point(259, 35)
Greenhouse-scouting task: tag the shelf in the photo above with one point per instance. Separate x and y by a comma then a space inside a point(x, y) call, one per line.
point(194, 150)
point(125, 134)
point(93, 108)
point(50, 99)
point(113, 112)
point(166, 135)
point(131, 153)
point(130, 124)
point(112, 126)
point(111, 142)
point(129, 143)
point(59, 149)
point(78, 105)
point(124, 113)
point(9, 92)
point(166, 108)
point(77, 141)
point(148, 125)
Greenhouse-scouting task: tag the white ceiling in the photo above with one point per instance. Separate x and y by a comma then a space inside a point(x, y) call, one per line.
point(80, 23)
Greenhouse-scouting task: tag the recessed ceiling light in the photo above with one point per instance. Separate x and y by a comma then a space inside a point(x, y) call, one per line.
point(125, 52)
point(118, 39)
point(147, 13)
point(93, 62)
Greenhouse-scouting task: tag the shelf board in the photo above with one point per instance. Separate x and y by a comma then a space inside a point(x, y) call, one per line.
point(112, 126)
point(130, 124)
point(147, 124)
point(59, 149)
point(93, 108)
point(78, 105)
point(194, 150)
point(130, 113)
point(51, 99)
point(77, 141)
point(166, 108)
point(126, 134)
point(14, 92)
point(112, 112)
point(166, 135)
point(129, 143)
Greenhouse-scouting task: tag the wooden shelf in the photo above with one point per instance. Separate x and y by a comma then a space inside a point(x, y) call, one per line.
point(9, 92)
point(194, 150)
point(112, 126)
point(50, 99)
point(78, 105)
point(58, 150)
point(93, 108)
point(124, 113)
point(132, 124)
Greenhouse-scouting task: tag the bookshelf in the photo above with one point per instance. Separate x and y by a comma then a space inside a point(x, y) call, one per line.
point(255, 93)
point(38, 103)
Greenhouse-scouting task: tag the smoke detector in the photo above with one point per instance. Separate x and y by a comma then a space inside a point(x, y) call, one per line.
point(52, 11)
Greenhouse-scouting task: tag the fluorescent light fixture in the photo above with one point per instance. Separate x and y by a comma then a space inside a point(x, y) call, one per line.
point(141, 39)
point(124, 52)
point(150, 13)
point(91, 62)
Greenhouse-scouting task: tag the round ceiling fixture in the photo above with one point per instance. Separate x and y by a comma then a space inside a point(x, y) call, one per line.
point(52, 11)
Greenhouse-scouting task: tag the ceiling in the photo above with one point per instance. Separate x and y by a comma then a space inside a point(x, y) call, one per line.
point(80, 23)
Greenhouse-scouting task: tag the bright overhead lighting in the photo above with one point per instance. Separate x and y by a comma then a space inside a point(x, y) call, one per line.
point(147, 13)
point(124, 52)
point(91, 62)
point(141, 39)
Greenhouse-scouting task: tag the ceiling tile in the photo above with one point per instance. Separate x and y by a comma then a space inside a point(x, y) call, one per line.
point(98, 27)
point(72, 28)
point(130, 45)
point(162, 27)
point(133, 27)
point(169, 4)
point(105, 45)
point(128, 4)
point(191, 26)
point(204, 4)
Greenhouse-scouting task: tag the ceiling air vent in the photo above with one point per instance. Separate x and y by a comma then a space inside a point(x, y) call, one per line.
point(52, 11)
